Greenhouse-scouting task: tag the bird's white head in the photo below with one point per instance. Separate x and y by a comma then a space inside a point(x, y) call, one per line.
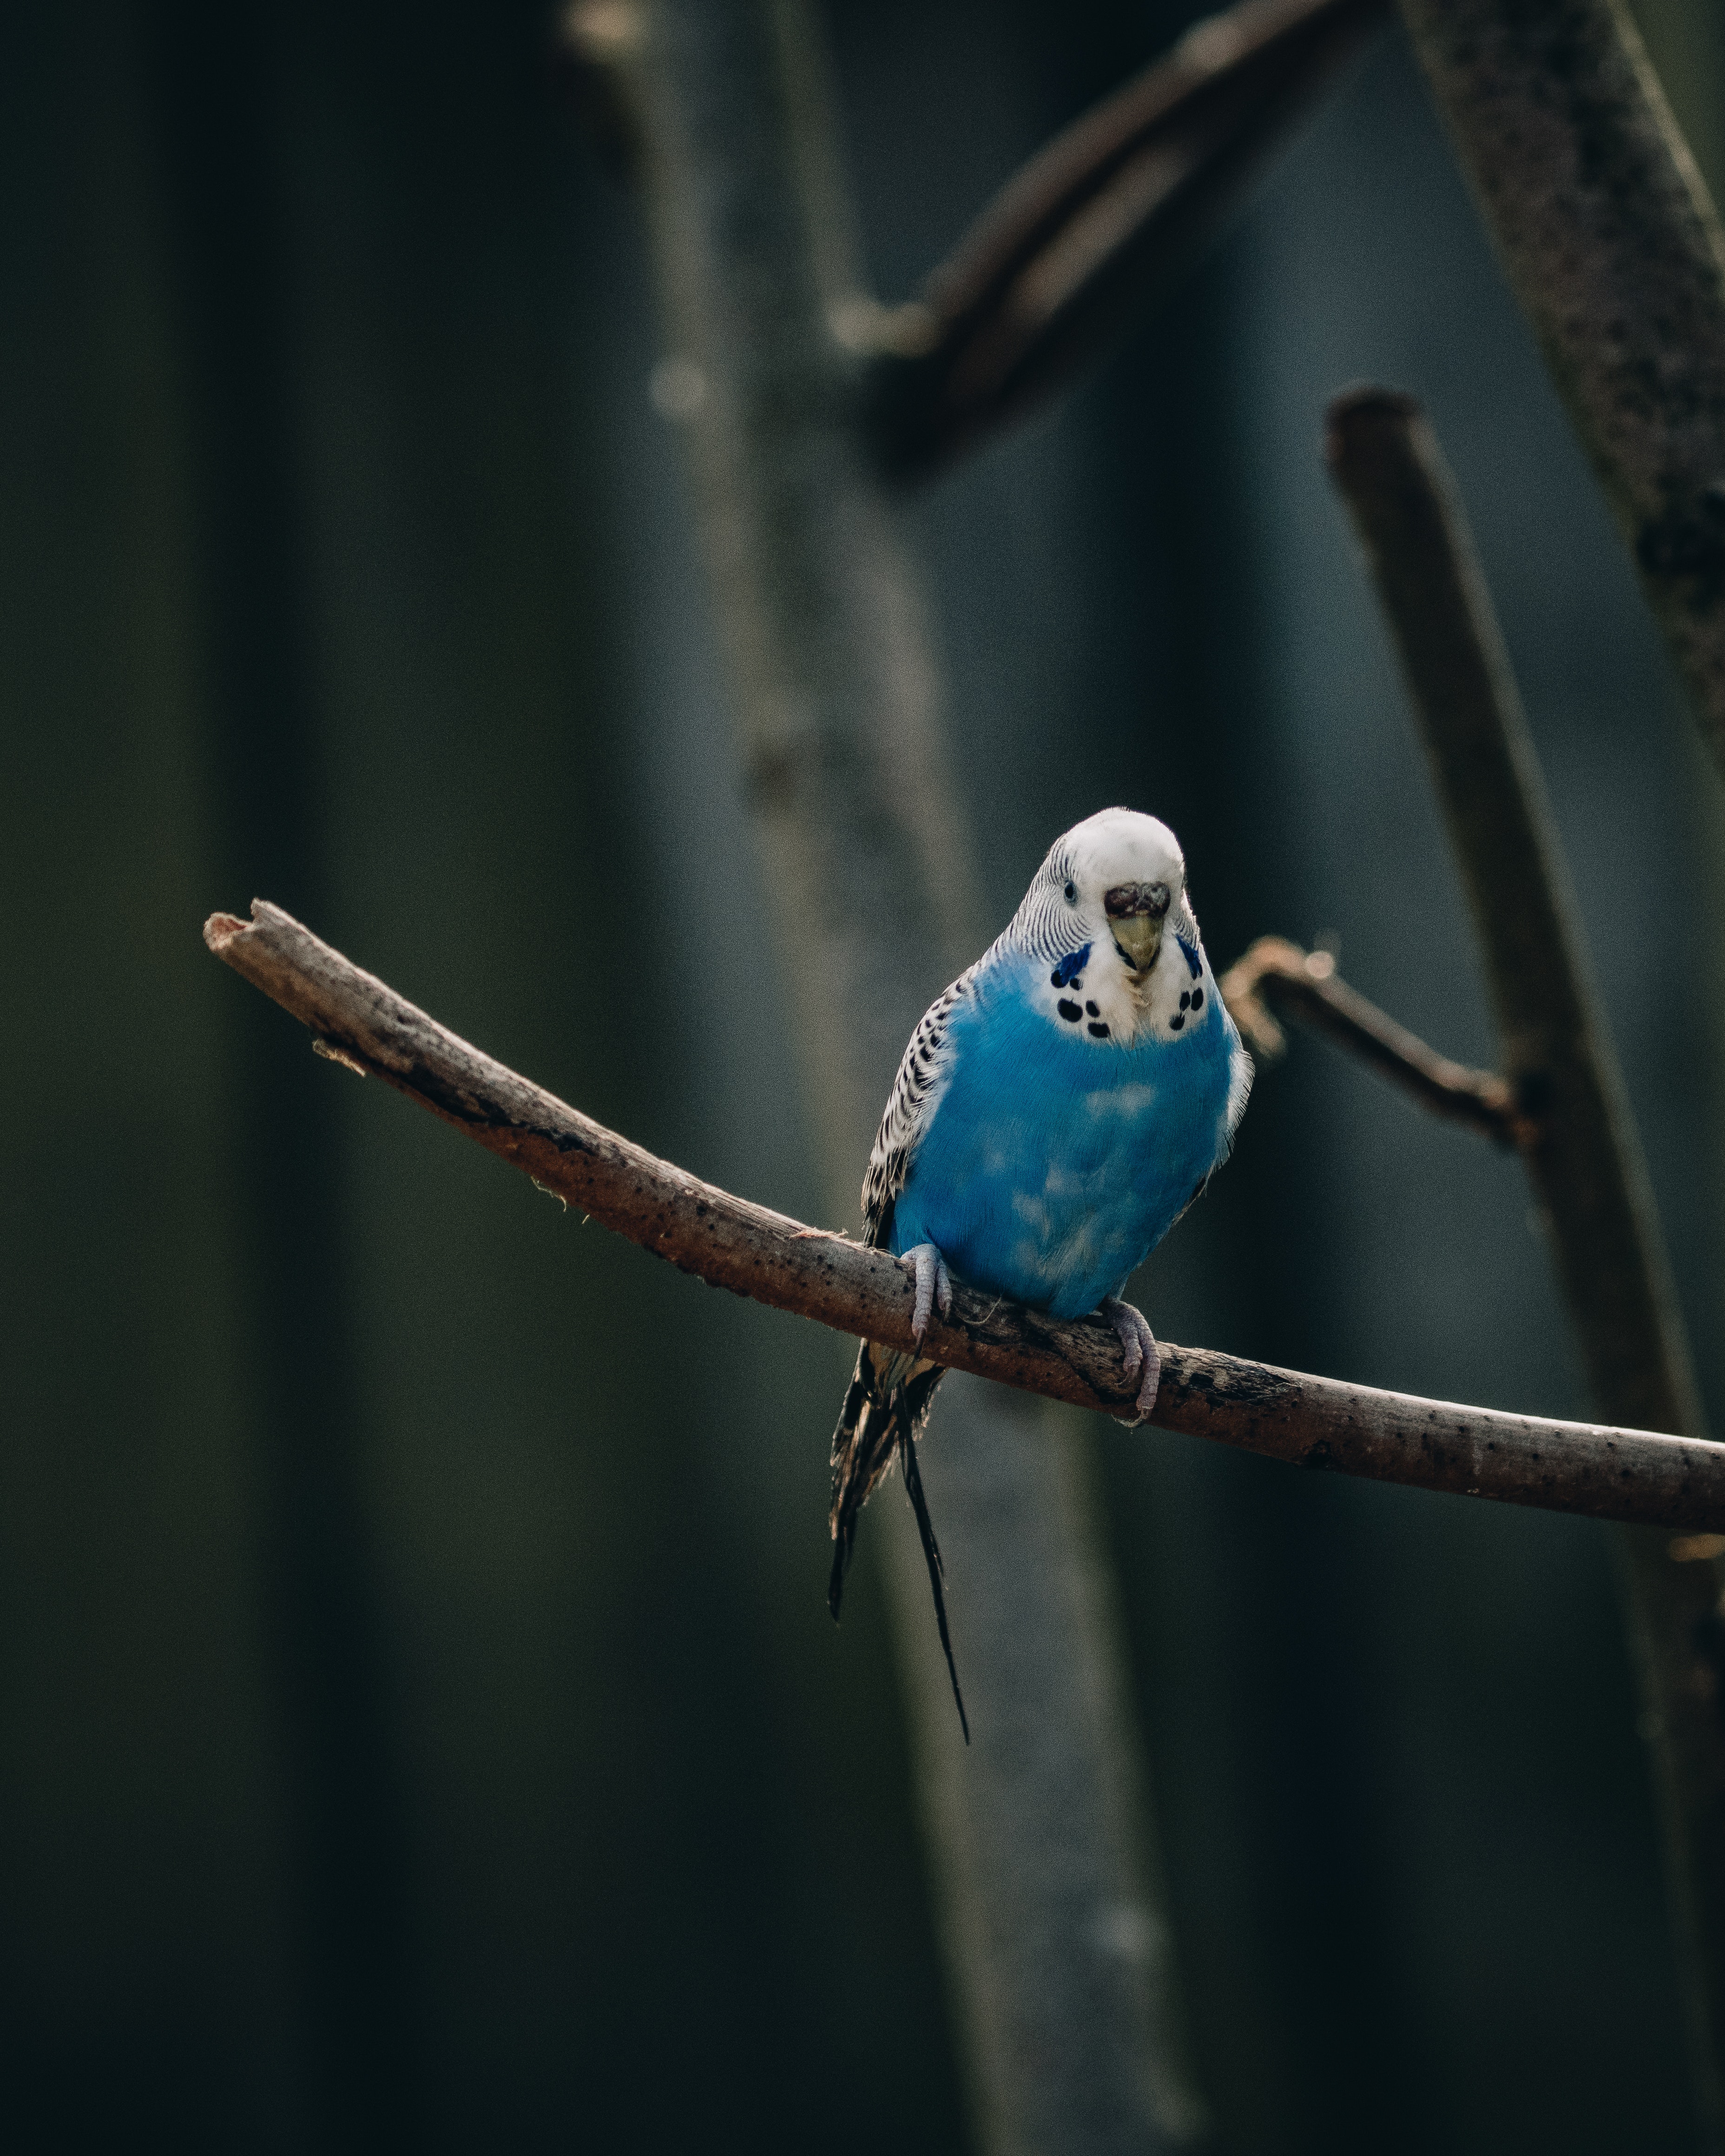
point(1124, 875)
point(1116, 879)
point(1107, 916)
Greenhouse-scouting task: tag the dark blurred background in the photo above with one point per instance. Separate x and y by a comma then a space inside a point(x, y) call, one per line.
point(420, 1727)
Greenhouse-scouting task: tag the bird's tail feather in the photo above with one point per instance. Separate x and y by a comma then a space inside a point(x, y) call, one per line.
point(888, 1400)
point(937, 1570)
point(883, 1415)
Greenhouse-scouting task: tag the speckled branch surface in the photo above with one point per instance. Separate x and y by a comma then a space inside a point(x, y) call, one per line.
point(1604, 230)
point(1307, 1421)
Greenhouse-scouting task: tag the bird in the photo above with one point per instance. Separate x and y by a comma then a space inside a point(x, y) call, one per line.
point(1056, 1109)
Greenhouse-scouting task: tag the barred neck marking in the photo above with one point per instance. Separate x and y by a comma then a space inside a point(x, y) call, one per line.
point(1044, 927)
point(1060, 946)
point(1093, 997)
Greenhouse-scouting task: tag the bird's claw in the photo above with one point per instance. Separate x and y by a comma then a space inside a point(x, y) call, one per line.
point(934, 1284)
point(1139, 1353)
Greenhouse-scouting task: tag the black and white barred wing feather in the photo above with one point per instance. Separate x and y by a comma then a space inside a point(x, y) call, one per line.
point(890, 1391)
point(916, 1094)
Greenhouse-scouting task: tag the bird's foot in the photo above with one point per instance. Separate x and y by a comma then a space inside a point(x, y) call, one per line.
point(1139, 1351)
point(934, 1284)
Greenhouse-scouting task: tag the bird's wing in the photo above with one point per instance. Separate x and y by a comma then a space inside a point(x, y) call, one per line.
point(888, 1402)
point(916, 1094)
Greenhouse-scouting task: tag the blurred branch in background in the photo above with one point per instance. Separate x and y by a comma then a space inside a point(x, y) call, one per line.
point(1686, 42)
point(357, 1020)
point(1605, 228)
point(1584, 1154)
point(1057, 1951)
point(1304, 984)
point(1095, 228)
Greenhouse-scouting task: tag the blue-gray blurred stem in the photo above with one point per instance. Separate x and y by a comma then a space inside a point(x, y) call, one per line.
point(1057, 1953)
point(1585, 1162)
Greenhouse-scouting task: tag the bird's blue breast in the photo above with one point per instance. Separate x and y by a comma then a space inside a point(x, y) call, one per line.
point(1054, 1163)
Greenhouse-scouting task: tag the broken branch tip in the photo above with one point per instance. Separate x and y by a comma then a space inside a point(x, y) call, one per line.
point(220, 929)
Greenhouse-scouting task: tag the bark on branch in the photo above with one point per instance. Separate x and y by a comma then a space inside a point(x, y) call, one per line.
point(1604, 227)
point(1307, 1421)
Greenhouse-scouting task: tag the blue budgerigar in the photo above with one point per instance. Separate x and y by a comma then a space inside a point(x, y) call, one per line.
point(1057, 1110)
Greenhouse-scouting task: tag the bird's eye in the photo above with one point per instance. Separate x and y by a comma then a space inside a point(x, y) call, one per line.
point(1071, 892)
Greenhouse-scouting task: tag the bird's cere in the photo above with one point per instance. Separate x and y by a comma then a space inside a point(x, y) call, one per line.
point(1136, 913)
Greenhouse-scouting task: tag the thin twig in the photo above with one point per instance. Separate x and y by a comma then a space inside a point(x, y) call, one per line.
point(1098, 223)
point(1312, 1422)
point(1603, 223)
point(1304, 982)
point(1582, 1154)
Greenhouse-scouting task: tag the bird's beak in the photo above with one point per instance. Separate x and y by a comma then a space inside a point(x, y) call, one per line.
point(1135, 914)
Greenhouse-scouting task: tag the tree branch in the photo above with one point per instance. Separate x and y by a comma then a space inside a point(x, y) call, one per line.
point(1099, 223)
point(1582, 1154)
point(1587, 1163)
point(1307, 1421)
point(1604, 227)
point(1306, 983)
